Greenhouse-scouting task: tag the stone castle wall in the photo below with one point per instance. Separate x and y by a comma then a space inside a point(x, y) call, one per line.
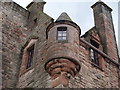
point(13, 36)
point(15, 33)
point(91, 76)
point(20, 26)
point(88, 77)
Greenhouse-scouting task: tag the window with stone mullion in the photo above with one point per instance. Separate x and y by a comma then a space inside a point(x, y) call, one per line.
point(62, 33)
point(93, 54)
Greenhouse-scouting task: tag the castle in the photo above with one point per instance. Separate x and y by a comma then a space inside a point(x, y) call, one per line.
point(38, 52)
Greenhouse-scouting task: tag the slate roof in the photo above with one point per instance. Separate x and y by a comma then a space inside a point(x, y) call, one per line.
point(64, 16)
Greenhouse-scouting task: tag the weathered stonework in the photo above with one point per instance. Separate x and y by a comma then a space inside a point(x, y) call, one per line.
point(56, 64)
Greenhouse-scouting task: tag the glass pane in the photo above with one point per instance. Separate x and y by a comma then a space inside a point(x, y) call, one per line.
point(59, 38)
point(64, 38)
point(59, 32)
point(64, 31)
point(92, 53)
point(64, 34)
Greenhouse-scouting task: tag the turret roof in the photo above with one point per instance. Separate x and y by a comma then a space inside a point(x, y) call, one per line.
point(64, 16)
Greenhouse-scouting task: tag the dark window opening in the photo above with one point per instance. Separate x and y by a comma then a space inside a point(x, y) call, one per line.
point(93, 54)
point(62, 33)
point(30, 56)
point(35, 20)
point(95, 44)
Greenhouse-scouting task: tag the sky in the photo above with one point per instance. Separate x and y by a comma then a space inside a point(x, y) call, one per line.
point(80, 11)
point(119, 27)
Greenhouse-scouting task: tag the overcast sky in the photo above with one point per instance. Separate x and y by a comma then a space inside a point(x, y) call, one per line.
point(79, 10)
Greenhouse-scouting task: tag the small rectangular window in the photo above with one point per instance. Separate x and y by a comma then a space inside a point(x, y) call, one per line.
point(93, 54)
point(62, 33)
point(30, 56)
point(94, 57)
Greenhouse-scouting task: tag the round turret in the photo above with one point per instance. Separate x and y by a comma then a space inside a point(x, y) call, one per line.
point(63, 47)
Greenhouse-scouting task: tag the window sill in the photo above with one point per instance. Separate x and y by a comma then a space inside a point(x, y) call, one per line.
point(62, 41)
point(26, 70)
point(96, 66)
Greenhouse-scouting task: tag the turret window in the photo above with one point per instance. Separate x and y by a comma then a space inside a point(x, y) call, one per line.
point(62, 33)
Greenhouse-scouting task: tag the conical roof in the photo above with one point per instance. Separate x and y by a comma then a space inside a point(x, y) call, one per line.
point(99, 1)
point(64, 16)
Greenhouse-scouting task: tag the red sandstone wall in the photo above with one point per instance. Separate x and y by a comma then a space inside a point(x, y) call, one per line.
point(13, 35)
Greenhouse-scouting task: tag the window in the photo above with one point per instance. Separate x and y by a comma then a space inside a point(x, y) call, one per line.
point(62, 33)
point(93, 54)
point(30, 52)
point(94, 57)
point(27, 57)
point(35, 20)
